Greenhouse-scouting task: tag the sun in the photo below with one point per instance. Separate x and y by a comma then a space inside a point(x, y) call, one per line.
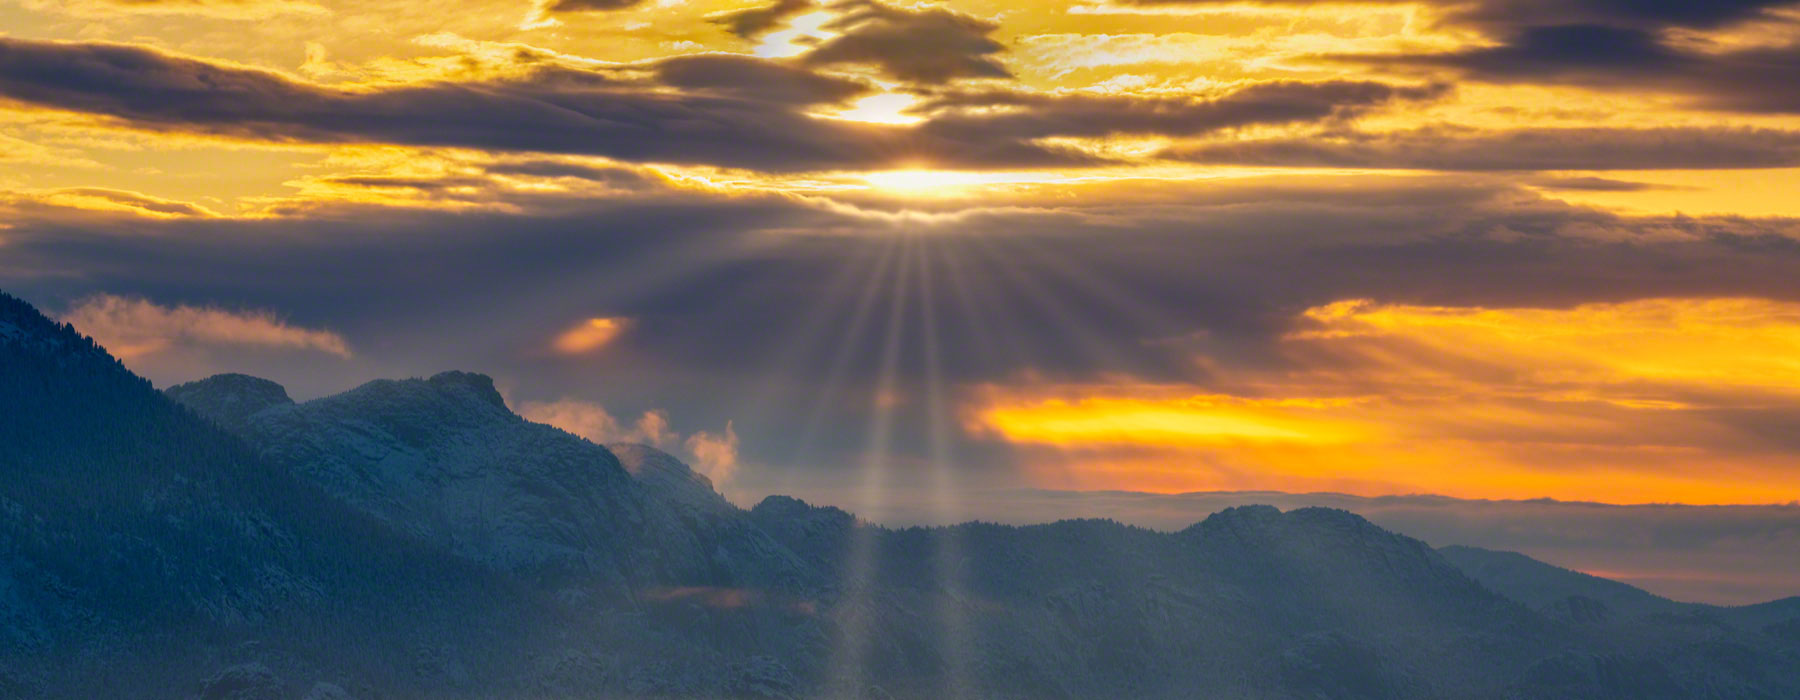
point(882, 108)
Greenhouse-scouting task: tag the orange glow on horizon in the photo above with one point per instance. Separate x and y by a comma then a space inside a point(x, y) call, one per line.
point(1617, 403)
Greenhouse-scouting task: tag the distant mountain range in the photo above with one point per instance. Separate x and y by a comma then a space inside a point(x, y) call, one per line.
point(416, 538)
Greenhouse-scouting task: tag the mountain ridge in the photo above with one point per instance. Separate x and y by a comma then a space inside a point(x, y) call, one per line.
point(487, 556)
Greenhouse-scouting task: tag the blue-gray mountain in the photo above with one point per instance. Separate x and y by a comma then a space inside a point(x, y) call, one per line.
point(416, 538)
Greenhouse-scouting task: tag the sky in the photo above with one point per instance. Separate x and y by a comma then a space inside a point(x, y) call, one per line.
point(895, 254)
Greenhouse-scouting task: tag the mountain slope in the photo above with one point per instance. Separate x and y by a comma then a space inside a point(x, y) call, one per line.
point(444, 459)
point(1542, 585)
point(126, 519)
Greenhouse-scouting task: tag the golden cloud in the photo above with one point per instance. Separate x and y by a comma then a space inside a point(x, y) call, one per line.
point(592, 421)
point(1653, 400)
point(716, 455)
point(589, 335)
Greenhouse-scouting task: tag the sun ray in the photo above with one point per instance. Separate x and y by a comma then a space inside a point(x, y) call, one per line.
point(839, 367)
point(945, 491)
point(849, 657)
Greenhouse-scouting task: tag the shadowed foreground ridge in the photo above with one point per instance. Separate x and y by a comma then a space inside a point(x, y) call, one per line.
point(415, 538)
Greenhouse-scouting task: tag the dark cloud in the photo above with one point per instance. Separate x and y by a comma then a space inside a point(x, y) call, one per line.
point(755, 22)
point(1613, 44)
point(590, 5)
point(737, 76)
point(1540, 52)
point(1614, 58)
point(553, 168)
point(1651, 14)
point(725, 110)
point(931, 46)
point(1448, 148)
point(1594, 184)
point(742, 112)
point(979, 116)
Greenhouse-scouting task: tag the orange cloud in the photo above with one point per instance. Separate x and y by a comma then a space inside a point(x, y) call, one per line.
point(1678, 400)
point(589, 335)
point(592, 421)
point(716, 454)
point(713, 454)
point(133, 328)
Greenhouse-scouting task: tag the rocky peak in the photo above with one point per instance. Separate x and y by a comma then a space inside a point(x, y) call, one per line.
point(477, 386)
point(417, 409)
point(1237, 519)
point(230, 399)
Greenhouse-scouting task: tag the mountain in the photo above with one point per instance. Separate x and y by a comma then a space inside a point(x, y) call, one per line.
point(1748, 549)
point(445, 460)
point(416, 538)
point(1583, 598)
point(139, 539)
point(1542, 585)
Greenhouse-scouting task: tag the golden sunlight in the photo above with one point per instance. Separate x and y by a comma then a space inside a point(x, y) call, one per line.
point(801, 33)
point(1376, 398)
point(589, 335)
point(884, 108)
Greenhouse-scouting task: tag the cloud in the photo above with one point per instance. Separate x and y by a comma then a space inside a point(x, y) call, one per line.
point(21, 152)
point(1610, 45)
point(589, 5)
point(589, 335)
point(1513, 402)
point(1630, 52)
point(592, 421)
point(727, 111)
point(132, 328)
point(979, 116)
point(758, 21)
point(1632, 13)
point(550, 109)
point(753, 79)
point(1574, 148)
point(715, 455)
point(930, 46)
